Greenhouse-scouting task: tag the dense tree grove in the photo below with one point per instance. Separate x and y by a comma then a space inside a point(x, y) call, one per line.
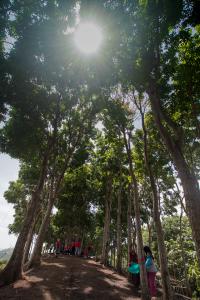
point(108, 144)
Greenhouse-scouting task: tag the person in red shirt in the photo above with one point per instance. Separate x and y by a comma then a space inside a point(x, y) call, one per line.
point(133, 257)
point(58, 246)
point(77, 247)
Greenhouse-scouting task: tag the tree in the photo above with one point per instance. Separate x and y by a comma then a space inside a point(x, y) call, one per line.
point(167, 289)
point(153, 59)
point(29, 82)
point(122, 120)
point(79, 132)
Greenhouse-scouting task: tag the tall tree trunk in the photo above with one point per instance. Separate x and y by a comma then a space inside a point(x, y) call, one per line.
point(140, 252)
point(119, 226)
point(13, 269)
point(54, 189)
point(166, 285)
point(35, 259)
point(114, 256)
point(129, 227)
point(129, 230)
point(106, 233)
point(30, 238)
point(188, 179)
point(82, 240)
point(149, 227)
point(186, 279)
point(181, 199)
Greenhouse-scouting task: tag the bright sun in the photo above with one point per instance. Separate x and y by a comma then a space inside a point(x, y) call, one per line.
point(88, 37)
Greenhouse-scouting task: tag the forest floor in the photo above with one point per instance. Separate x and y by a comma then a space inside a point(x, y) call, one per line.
point(70, 278)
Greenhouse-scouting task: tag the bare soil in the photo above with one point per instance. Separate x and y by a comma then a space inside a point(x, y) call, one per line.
point(70, 278)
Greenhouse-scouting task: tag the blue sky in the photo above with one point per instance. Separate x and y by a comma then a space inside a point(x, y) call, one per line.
point(9, 168)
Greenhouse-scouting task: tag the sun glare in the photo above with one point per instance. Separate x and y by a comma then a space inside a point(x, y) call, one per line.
point(88, 37)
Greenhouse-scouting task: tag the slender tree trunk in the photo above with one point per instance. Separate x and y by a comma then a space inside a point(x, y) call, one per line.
point(30, 238)
point(28, 243)
point(134, 236)
point(149, 227)
point(166, 285)
point(140, 252)
point(181, 199)
point(82, 240)
point(189, 292)
point(119, 227)
point(129, 231)
point(13, 269)
point(55, 186)
point(54, 189)
point(188, 179)
point(114, 257)
point(111, 257)
point(129, 227)
point(35, 259)
point(106, 233)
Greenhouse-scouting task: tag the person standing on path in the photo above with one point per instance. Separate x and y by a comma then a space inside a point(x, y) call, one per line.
point(78, 247)
point(58, 247)
point(151, 271)
point(133, 259)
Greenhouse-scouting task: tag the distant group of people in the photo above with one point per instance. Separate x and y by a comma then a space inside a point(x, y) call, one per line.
point(74, 247)
point(151, 269)
point(70, 248)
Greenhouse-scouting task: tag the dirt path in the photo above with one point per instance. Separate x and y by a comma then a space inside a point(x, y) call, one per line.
point(70, 278)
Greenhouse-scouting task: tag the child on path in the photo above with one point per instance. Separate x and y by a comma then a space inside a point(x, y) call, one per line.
point(151, 271)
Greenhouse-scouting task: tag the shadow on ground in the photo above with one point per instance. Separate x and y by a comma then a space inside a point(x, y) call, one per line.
point(70, 278)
